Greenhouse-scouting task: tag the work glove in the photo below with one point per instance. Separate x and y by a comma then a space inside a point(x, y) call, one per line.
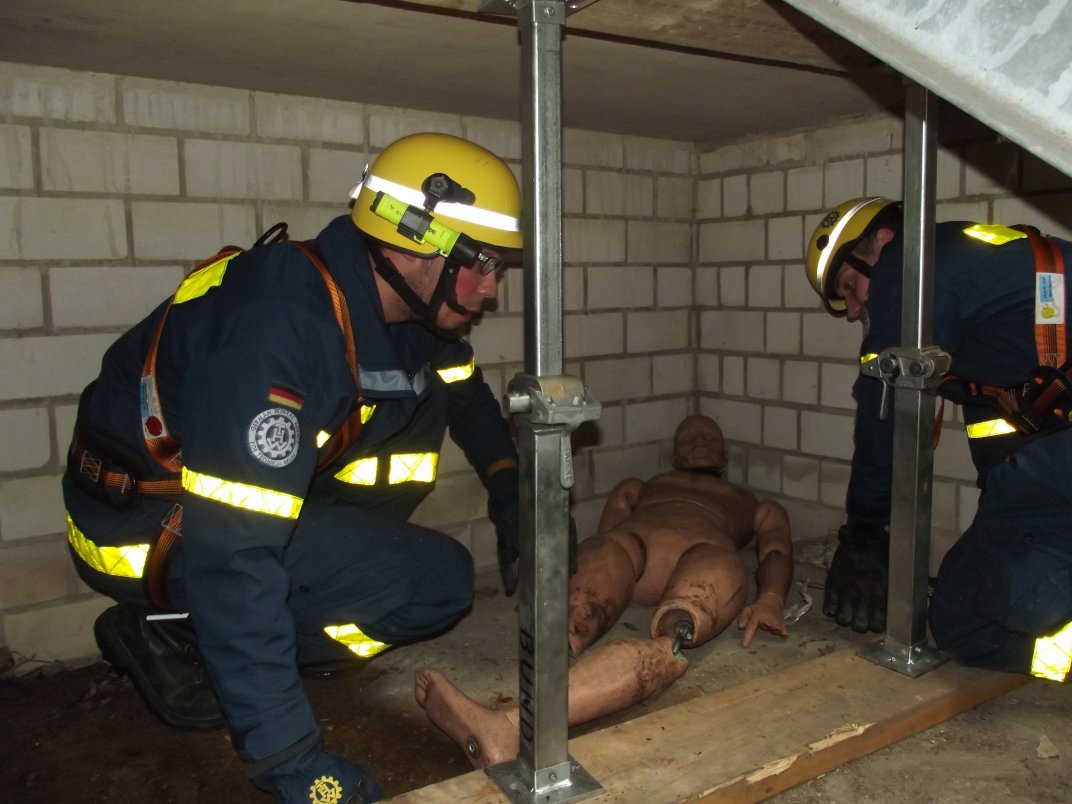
point(858, 577)
point(315, 775)
point(504, 511)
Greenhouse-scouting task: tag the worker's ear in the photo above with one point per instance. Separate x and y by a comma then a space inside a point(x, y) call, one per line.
point(884, 235)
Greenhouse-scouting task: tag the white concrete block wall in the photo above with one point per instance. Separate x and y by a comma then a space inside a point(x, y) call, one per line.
point(777, 371)
point(112, 186)
point(683, 288)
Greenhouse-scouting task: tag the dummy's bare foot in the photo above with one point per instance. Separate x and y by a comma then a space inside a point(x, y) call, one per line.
point(487, 736)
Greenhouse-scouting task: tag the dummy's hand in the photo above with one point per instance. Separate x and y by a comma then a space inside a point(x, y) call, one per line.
point(764, 613)
point(858, 576)
point(319, 776)
point(503, 512)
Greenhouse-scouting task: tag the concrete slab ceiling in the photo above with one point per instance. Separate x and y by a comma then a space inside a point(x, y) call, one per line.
point(705, 71)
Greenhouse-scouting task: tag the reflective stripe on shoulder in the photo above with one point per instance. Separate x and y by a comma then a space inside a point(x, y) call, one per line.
point(993, 427)
point(241, 495)
point(127, 561)
point(995, 235)
point(457, 373)
point(355, 640)
point(1052, 658)
point(202, 281)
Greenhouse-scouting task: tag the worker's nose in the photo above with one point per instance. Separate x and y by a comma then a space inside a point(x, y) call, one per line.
point(854, 309)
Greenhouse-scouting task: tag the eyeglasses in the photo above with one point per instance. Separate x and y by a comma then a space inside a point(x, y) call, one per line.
point(487, 263)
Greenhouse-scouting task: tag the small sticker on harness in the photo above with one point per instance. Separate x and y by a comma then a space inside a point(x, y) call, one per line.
point(1049, 298)
point(273, 437)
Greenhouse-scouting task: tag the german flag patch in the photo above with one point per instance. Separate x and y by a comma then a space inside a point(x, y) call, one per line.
point(286, 396)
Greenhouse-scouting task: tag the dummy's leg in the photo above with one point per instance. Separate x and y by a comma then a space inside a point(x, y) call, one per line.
point(605, 681)
point(706, 590)
point(608, 566)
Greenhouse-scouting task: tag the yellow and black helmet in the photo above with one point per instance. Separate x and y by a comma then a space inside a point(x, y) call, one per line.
point(834, 238)
point(464, 185)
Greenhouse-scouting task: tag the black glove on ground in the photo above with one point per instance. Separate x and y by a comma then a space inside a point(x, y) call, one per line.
point(503, 511)
point(858, 577)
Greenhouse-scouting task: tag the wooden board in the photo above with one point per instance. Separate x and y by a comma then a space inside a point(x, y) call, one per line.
point(760, 738)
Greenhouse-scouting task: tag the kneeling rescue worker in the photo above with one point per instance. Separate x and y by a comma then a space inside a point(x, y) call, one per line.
point(1003, 595)
point(243, 467)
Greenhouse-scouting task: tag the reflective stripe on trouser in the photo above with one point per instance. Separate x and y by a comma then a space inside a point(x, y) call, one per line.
point(1053, 655)
point(355, 640)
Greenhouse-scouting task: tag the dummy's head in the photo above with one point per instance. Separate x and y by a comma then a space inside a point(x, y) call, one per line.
point(698, 445)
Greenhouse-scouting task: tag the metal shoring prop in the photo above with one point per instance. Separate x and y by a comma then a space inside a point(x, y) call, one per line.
point(547, 407)
point(915, 371)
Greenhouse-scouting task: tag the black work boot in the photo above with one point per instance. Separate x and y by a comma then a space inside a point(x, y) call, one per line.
point(161, 658)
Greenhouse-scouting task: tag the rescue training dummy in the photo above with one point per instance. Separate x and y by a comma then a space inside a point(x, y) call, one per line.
point(1003, 595)
point(671, 542)
point(246, 461)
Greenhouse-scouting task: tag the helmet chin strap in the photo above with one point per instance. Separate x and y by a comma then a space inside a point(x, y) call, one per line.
point(444, 292)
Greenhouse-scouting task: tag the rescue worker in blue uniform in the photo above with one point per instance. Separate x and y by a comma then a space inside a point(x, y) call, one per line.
point(243, 467)
point(1003, 595)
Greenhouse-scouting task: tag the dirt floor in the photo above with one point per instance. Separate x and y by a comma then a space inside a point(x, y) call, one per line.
point(83, 735)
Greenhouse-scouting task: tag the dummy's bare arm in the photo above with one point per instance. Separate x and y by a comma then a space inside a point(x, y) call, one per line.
point(620, 503)
point(774, 549)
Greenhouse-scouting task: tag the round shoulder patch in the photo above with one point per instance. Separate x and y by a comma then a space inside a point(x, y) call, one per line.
point(273, 437)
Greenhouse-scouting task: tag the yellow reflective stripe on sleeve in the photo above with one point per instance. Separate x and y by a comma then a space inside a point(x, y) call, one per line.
point(127, 561)
point(366, 412)
point(1053, 655)
point(994, 427)
point(201, 282)
point(868, 358)
point(418, 466)
point(352, 637)
point(995, 235)
point(361, 472)
point(241, 495)
point(457, 373)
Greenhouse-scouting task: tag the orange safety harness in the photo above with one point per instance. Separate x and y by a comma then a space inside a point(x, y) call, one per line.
point(1045, 400)
point(118, 485)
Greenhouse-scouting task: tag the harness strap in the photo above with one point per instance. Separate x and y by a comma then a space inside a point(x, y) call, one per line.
point(168, 452)
point(1050, 337)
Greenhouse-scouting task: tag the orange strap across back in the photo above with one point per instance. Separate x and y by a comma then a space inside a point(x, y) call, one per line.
point(1050, 338)
point(168, 452)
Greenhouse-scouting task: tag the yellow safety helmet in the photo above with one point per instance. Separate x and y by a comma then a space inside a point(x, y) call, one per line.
point(481, 198)
point(835, 237)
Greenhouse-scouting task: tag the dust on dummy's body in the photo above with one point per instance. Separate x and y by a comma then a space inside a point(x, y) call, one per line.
point(671, 542)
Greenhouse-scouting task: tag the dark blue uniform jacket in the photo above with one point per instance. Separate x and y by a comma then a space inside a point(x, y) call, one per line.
point(984, 302)
point(268, 325)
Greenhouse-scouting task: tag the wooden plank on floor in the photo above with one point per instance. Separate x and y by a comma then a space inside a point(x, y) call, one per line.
point(757, 739)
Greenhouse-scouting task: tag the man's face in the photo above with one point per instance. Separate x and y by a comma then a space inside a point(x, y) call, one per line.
point(854, 288)
point(472, 289)
point(698, 444)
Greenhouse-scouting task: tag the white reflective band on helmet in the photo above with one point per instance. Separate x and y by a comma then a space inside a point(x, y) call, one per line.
point(241, 495)
point(1053, 655)
point(355, 640)
point(993, 427)
point(126, 561)
point(461, 212)
point(828, 253)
